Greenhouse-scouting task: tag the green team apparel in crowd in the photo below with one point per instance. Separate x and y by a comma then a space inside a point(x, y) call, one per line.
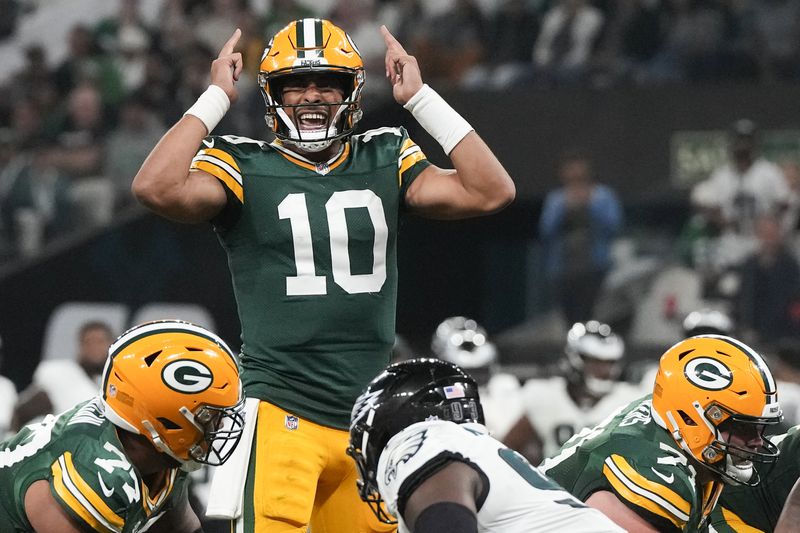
point(630, 455)
point(754, 509)
point(82, 458)
point(312, 253)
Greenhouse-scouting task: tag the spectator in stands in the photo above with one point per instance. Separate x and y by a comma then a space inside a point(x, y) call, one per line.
point(769, 283)
point(85, 61)
point(510, 35)
point(776, 36)
point(128, 145)
point(126, 39)
point(280, 11)
point(738, 192)
point(694, 42)
point(450, 41)
point(579, 221)
point(35, 205)
point(563, 49)
point(58, 384)
point(80, 155)
point(633, 37)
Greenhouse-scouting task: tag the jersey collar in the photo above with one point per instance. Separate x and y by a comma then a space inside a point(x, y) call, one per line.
point(320, 168)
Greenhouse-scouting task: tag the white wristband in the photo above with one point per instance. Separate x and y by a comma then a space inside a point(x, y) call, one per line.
point(438, 118)
point(210, 107)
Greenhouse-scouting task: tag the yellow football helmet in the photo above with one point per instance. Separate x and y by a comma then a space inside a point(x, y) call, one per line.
point(711, 389)
point(178, 385)
point(312, 46)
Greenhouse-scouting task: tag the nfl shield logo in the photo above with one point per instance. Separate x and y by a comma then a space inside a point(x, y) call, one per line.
point(323, 169)
point(291, 422)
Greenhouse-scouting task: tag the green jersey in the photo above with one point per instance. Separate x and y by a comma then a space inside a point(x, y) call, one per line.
point(312, 253)
point(81, 457)
point(631, 455)
point(753, 509)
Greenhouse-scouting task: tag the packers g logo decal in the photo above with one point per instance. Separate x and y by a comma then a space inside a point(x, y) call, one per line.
point(708, 373)
point(188, 377)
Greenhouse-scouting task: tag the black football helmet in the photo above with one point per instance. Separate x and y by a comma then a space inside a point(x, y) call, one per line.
point(707, 321)
point(405, 393)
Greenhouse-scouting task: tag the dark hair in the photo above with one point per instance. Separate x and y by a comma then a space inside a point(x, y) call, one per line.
point(92, 325)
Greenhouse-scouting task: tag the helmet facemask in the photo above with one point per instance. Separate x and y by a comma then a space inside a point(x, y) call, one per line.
point(735, 463)
point(339, 117)
point(222, 428)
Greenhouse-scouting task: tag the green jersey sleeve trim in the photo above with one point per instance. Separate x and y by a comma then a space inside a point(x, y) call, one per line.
point(654, 497)
point(80, 499)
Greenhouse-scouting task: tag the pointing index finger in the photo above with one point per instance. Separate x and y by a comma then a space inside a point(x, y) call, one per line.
point(227, 48)
point(390, 41)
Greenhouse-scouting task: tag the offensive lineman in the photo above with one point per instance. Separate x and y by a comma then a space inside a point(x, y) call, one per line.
point(170, 400)
point(660, 464)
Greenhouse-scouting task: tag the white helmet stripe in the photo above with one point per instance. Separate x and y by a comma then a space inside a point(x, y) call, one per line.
point(159, 326)
point(766, 374)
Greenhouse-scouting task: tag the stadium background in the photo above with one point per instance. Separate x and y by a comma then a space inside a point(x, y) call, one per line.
point(649, 141)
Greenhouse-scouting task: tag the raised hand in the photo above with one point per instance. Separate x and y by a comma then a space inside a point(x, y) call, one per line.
point(225, 70)
point(401, 69)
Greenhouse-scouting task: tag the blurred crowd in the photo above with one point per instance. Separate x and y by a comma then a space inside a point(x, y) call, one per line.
point(73, 134)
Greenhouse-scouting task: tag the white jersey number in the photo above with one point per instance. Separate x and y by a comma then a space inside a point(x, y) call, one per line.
point(307, 282)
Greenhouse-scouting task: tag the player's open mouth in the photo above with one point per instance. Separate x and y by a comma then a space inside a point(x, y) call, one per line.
point(312, 121)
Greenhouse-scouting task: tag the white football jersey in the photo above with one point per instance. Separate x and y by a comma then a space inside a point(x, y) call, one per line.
point(501, 400)
point(519, 498)
point(51, 376)
point(556, 417)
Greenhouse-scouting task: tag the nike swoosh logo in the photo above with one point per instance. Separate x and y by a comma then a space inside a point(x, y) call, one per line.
point(210, 143)
point(106, 491)
point(669, 479)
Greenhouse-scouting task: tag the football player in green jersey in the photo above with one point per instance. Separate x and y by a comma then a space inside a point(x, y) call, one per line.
point(748, 509)
point(309, 222)
point(660, 463)
point(171, 399)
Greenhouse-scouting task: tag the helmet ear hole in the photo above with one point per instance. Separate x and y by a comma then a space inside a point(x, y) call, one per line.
point(686, 418)
point(167, 423)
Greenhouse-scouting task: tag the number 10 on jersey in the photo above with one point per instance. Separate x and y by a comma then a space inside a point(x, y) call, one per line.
point(307, 282)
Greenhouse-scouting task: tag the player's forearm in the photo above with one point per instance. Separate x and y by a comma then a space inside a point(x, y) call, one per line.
point(482, 175)
point(483, 185)
point(161, 180)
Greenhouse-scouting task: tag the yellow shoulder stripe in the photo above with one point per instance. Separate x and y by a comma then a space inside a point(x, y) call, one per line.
point(222, 175)
point(409, 161)
point(408, 143)
point(81, 498)
point(644, 493)
point(220, 154)
point(736, 523)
